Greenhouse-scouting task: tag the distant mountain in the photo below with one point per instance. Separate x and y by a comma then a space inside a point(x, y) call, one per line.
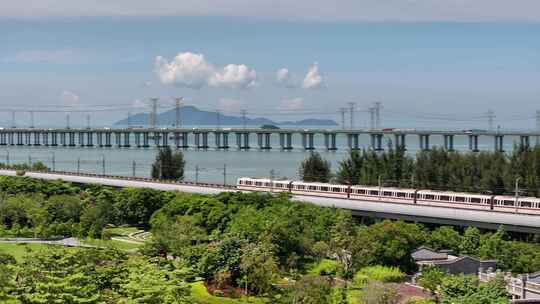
point(192, 116)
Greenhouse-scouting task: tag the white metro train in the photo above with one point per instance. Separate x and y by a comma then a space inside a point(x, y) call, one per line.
point(500, 203)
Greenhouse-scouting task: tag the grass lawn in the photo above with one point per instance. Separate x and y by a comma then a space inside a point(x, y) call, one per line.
point(122, 231)
point(18, 250)
point(201, 295)
point(111, 243)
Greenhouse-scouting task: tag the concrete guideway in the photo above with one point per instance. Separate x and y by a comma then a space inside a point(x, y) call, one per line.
point(420, 213)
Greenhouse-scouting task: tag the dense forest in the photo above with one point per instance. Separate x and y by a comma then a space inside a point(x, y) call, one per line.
point(485, 172)
point(237, 243)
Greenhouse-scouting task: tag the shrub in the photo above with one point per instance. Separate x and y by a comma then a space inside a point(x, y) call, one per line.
point(383, 274)
point(218, 293)
point(20, 172)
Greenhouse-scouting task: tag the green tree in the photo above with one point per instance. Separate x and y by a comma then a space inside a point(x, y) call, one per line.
point(445, 237)
point(470, 241)
point(312, 290)
point(259, 267)
point(315, 169)
point(168, 165)
point(431, 278)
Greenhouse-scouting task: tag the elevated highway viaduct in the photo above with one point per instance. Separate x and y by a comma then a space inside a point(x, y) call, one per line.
point(428, 214)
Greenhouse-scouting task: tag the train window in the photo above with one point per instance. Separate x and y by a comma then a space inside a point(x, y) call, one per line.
point(387, 193)
point(240, 182)
point(498, 202)
point(401, 194)
point(526, 204)
point(279, 185)
point(429, 196)
point(460, 199)
point(312, 187)
point(475, 200)
point(373, 192)
point(508, 203)
point(258, 184)
point(445, 198)
point(300, 187)
point(361, 191)
point(335, 189)
point(324, 188)
point(267, 184)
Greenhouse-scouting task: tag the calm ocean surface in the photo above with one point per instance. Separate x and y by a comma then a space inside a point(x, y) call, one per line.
point(253, 163)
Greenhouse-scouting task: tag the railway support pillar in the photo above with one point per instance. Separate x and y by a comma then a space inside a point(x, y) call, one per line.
point(37, 139)
point(205, 140)
point(449, 142)
point(222, 140)
point(2, 139)
point(81, 139)
point(524, 141)
point(54, 139)
point(118, 139)
point(197, 137)
point(352, 141)
point(99, 137)
point(72, 139)
point(164, 139)
point(108, 139)
point(424, 142)
point(126, 139)
point(499, 147)
point(27, 138)
point(376, 141)
point(307, 141)
point(400, 141)
point(137, 139)
point(242, 140)
point(330, 141)
point(473, 143)
point(63, 139)
point(90, 139)
point(145, 139)
point(157, 138)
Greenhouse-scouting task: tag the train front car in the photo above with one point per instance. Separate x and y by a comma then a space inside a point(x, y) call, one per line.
point(263, 184)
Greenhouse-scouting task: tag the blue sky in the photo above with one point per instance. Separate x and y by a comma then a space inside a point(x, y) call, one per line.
point(417, 68)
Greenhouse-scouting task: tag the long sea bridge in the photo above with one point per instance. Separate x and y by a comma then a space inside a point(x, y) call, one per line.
point(200, 138)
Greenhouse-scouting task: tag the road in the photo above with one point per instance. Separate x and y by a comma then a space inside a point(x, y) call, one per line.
point(429, 214)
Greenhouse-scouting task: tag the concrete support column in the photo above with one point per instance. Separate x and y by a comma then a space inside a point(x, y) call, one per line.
point(352, 141)
point(197, 137)
point(267, 138)
point(118, 139)
point(260, 140)
point(145, 137)
point(45, 138)
point(176, 136)
point(2, 139)
point(27, 138)
point(499, 147)
point(217, 137)
point(449, 142)
point(63, 141)
point(330, 141)
point(205, 140)
point(307, 141)
point(54, 139)
point(72, 139)
point(137, 139)
point(473, 143)
point(424, 142)
point(225, 136)
point(185, 140)
point(400, 141)
point(90, 139)
point(36, 138)
point(524, 141)
point(246, 140)
point(81, 139)
point(127, 135)
point(99, 139)
point(164, 139)
point(108, 139)
point(282, 141)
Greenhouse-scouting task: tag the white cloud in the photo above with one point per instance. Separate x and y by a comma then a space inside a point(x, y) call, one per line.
point(229, 103)
point(313, 79)
point(338, 10)
point(70, 98)
point(292, 104)
point(138, 104)
point(284, 78)
point(37, 56)
point(193, 71)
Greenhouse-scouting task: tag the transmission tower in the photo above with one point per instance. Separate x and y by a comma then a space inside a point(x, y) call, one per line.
point(351, 110)
point(377, 108)
point(177, 108)
point(88, 121)
point(67, 121)
point(129, 119)
point(31, 119)
point(13, 124)
point(153, 114)
point(491, 117)
point(371, 117)
point(218, 118)
point(243, 112)
point(342, 111)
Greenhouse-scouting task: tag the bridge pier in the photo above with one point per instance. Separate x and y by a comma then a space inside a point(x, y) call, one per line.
point(118, 139)
point(376, 141)
point(263, 140)
point(71, 139)
point(449, 142)
point(473, 143)
point(10, 139)
point(2, 139)
point(352, 141)
point(181, 140)
point(242, 140)
point(424, 142)
point(90, 139)
point(222, 140)
point(108, 139)
point(127, 136)
point(524, 141)
point(27, 139)
point(307, 141)
point(37, 141)
point(81, 139)
point(99, 138)
point(145, 138)
point(330, 141)
point(400, 141)
point(19, 139)
point(54, 139)
point(201, 140)
point(285, 141)
point(63, 141)
point(499, 147)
